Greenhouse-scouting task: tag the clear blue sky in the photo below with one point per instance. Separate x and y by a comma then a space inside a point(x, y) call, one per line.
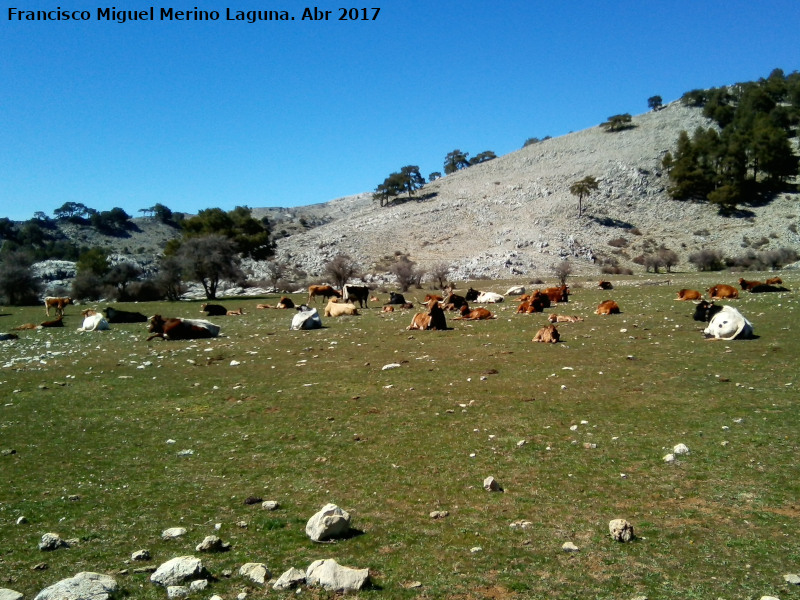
point(195, 115)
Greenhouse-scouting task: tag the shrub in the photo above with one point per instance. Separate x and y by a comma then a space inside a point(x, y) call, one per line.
point(707, 260)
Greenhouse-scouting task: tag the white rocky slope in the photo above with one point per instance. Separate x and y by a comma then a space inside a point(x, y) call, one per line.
point(515, 215)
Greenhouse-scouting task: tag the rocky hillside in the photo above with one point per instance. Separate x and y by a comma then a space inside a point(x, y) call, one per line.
point(514, 216)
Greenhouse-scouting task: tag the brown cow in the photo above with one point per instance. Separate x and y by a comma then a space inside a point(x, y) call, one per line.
point(429, 297)
point(547, 335)
point(774, 281)
point(181, 329)
point(325, 291)
point(685, 294)
point(57, 303)
point(605, 285)
point(607, 307)
point(536, 303)
point(557, 294)
point(475, 314)
point(554, 318)
point(59, 322)
point(433, 319)
point(284, 302)
point(748, 286)
point(388, 308)
point(454, 302)
point(722, 291)
point(237, 312)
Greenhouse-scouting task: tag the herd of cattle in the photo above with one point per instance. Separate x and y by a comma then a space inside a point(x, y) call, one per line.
point(725, 322)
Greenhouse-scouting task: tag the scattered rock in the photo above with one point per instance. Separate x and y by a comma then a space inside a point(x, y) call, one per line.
point(270, 505)
point(290, 579)
point(255, 572)
point(680, 449)
point(570, 547)
point(330, 522)
point(438, 514)
point(172, 533)
point(22, 521)
point(6, 594)
point(198, 585)
point(490, 485)
point(177, 591)
point(141, 555)
point(333, 577)
point(792, 579)
point(669, 458)
point(7, 452)
point(178, 570)
point(52, 541)
point(212, 543)
point(621, 530)
point(83, 586)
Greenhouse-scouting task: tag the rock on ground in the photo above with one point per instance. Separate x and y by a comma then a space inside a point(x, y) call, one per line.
point(178, 570)
point(330, 522)
point(84, 586)
point(621, 530)
point(336, 578)
point(6, 594)
point(290, 579)
point(255, 572)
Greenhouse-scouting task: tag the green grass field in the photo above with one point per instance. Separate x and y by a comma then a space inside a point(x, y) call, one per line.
point(307, 418)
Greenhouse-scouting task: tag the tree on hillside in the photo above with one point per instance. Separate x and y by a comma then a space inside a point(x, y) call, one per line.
point(111, 221)
point(583, 189)
point(434, 176)
point(71, 211)
point(340, 269)
point(251, 236)
point(618, 122)
point(654, 103)
point(209, 260)
point(455, 160)
point(482, 157)
point(407, 180)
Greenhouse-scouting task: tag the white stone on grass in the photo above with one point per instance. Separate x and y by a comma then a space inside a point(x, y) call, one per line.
point(621, 530)
point(330, 522)
point(333, 577)
point(255, 572)
point(96, 586)
point(178, 570)
point(290, 579)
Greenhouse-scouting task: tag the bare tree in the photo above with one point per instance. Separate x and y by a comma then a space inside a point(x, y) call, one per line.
point(340, 269)
point(276, 270)
point(405, 270)
point(439, 273)
point(562, 270)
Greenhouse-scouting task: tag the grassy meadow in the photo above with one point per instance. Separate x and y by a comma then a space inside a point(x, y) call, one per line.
point(574, 432)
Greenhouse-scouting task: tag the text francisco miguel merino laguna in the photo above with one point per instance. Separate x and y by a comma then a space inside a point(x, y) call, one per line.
point(167, 14)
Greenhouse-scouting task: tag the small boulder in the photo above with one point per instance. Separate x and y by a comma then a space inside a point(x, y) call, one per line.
point(330, 522)
point(177, 591)
point(6, 594)
point(490, 485)
point(172, 533)
point(290, 579)
point(333, 577)
point(141, 555)
point(212, 543)
point(270, 505)
point(52, 541)
point(255, 572)
point(680, 449)
point(621, 530)
point(178, 570)
point(96, 586)
point(569, 547)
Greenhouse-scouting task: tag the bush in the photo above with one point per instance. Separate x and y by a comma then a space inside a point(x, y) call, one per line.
point(707, 260)
point(17, 283)
point(763, 261)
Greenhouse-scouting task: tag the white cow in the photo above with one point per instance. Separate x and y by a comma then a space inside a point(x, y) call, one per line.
point(515, 290)
point(94, 322)
point(489, 298)
point(728, 324)
point(306, 318)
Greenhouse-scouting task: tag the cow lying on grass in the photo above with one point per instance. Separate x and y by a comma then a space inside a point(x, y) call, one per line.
point(547, 335)
point(474, 314)
point(181, 329)
point(554, 318)
point(607, 307)
point(433, 319)
point(335, 308)
point(728, 324)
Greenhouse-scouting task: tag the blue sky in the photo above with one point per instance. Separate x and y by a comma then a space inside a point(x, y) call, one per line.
point(205, 114)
